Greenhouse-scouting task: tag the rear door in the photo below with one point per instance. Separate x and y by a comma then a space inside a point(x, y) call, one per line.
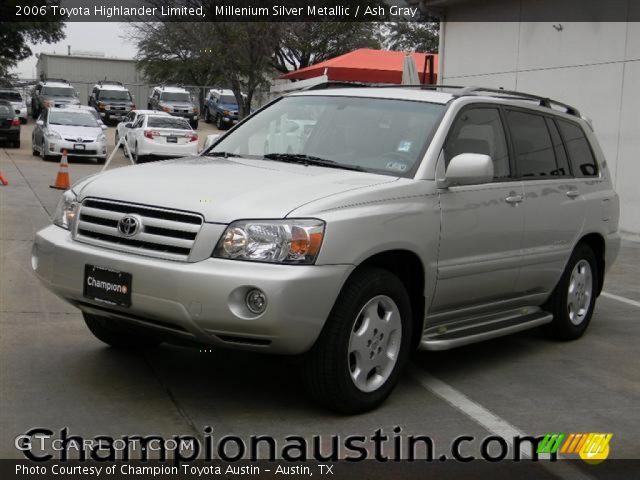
point(553, 206)
point(481, 225)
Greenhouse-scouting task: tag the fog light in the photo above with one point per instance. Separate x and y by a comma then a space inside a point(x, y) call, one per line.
point(256, 301)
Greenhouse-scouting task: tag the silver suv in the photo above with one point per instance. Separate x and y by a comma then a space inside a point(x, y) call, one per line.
point(399, 219)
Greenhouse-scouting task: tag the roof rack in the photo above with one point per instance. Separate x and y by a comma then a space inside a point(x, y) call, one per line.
point(543, 101)
point(171, 85)
point(462, 92)
point(110, 82)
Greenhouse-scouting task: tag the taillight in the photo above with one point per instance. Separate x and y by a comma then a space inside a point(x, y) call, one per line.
point(193, 137)
point(151, 134)
point(15, 122)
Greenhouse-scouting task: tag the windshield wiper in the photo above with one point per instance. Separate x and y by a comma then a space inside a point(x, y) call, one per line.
point(223, 154)
point(311, 160)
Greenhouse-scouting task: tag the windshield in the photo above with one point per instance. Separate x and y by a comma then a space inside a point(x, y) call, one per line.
point(10, 95)
point(380, 135)
point(175, 97)
point(59, 91)
point(115, 95)
point(168, 122)
point(228, 99)
point(78, 119)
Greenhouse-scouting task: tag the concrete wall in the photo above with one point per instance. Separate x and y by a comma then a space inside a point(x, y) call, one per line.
point(593, 66)
point(84, 72)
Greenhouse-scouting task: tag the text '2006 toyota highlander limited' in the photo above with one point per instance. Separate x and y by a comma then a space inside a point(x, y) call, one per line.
point(402, 218)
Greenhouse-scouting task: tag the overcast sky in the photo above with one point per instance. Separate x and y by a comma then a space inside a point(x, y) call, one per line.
point(93, 36)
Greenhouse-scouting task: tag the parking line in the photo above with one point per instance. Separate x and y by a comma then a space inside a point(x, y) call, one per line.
point(490, 421)
point(626, 300)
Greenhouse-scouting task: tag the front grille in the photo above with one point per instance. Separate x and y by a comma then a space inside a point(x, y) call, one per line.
point(164, 233)
point(80, 151)
point(75, 140)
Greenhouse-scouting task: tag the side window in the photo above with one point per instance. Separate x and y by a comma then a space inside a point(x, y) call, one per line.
point(139, 121)
point(479, 130)
point(129, 118)
point(534, 152)
point(582, 161)
point(558, 148)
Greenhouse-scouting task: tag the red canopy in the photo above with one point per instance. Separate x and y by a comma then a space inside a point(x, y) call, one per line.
point(367, 65)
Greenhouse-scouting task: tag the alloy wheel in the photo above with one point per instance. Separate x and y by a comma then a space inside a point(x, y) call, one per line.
point(579, 292)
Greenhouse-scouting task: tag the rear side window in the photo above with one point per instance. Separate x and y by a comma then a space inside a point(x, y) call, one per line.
point(558, 148)
point(534, 152)
point(582, 161)
point(479, 130)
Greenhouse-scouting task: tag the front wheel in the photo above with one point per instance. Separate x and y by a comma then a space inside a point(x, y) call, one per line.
point(573, 300)
point(357, 360)
point(118, 338)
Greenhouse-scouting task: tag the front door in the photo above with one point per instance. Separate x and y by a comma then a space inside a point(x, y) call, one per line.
point(482, 225)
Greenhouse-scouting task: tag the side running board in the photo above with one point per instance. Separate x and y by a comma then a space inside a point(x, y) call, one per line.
point(477, 329)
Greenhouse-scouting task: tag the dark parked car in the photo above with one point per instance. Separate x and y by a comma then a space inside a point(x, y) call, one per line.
point(9, 124)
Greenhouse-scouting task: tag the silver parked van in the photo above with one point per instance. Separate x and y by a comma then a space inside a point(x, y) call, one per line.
point(399, 218)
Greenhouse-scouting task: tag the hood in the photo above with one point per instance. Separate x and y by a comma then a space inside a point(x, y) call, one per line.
point(71, 131)
point(224, 190)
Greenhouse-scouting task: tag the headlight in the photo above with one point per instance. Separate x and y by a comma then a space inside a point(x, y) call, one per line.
point(66, 211)
point(53, 135)
point(101, 138)
point(272, 241)
point(166, 108)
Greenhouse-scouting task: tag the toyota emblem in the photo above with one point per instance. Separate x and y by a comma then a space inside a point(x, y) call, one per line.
point(79, 139)
point(129, 225)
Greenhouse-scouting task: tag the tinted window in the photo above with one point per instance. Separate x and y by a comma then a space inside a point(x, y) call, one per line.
point(558, 148)
point(228, 99)
point(532, 144)
point(582, 161)
point(59, 91)
point(479, 130)
point(176, 97)
point(10, 95)
point(114, 95)
point(168, 122)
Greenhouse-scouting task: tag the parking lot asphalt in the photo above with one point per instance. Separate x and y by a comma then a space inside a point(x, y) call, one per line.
point(55, 374)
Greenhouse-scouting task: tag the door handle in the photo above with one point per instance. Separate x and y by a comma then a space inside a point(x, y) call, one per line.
point(513, 198)
point(573, 193)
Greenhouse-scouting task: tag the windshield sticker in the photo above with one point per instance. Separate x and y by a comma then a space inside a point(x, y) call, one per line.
point(404, 146)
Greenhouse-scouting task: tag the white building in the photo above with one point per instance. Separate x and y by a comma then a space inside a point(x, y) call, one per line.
point(594, 66)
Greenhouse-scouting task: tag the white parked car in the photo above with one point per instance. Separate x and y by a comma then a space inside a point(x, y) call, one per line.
point(132, 117)
point(72, 129)
point(161, 136)
point(17, 101)
point(288, 136)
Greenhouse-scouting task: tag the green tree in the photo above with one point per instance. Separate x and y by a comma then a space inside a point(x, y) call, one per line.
point(304, 44)
point(16, 36)
point(420, 36)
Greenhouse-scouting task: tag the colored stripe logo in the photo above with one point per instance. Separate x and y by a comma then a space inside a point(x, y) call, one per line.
point(592, 447)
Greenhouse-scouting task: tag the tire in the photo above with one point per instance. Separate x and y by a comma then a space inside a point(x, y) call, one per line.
point(573, 300)
point(219, 122)
point(118, 338)
point(333, 363)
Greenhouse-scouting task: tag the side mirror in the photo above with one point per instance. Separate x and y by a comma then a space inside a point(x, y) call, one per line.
point(469, 169)
point(210, 140)
point(128, 125)
point(40, 123)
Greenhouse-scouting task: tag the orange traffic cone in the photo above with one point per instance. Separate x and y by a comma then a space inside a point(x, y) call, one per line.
point(3, 179)
point(62, 179)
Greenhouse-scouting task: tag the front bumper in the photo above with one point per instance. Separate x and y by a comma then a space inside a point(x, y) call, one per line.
point(189, 116)
point(200, 302)
point(55, 148)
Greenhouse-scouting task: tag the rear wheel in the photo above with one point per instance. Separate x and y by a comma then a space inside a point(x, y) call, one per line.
point(103, 329)
point(357, 359)
point(573, 300)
